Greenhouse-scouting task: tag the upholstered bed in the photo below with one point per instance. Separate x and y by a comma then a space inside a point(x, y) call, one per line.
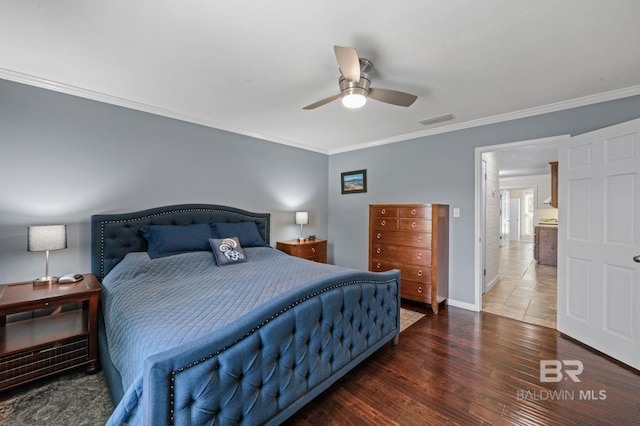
point(190, 335)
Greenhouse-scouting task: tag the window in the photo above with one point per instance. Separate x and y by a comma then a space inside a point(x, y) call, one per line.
point(529, 206)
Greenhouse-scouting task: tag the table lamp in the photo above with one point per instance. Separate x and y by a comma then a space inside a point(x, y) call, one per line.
point(302, 218)
point(46, 238)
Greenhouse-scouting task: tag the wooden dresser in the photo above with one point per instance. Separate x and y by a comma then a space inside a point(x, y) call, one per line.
point(413, 238)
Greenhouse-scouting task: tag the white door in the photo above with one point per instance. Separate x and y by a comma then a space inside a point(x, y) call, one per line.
point(514, 219)
point(504, 218)
point(598, 237)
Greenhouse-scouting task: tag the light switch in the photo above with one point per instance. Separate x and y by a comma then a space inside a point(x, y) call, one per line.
point(456, 212)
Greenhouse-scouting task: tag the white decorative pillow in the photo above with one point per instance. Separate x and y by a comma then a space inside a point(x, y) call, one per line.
point(227, 250)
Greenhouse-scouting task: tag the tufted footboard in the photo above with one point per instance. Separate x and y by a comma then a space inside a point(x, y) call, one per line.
point(264, 368)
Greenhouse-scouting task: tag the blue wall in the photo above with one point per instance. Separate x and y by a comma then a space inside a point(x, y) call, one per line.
point(63, 158)
point(440, 169)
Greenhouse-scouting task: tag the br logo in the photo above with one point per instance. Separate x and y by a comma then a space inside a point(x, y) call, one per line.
point(552, 370)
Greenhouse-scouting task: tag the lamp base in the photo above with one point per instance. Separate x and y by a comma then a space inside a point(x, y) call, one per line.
point(45, 281)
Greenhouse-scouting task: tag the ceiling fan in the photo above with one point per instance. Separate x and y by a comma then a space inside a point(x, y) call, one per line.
point(355, 83)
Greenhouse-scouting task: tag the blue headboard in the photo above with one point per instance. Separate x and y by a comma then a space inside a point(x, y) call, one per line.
point(115, 235)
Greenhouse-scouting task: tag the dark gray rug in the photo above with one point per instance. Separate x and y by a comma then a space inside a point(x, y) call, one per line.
point(72, 398)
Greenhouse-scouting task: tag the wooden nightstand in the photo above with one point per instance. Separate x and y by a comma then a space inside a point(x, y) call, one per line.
point(44, 345)
point(315, 250)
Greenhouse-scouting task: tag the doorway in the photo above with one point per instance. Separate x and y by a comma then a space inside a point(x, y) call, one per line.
point(523, 289)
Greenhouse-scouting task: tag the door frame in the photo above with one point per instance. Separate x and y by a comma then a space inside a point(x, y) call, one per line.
point(504, 205)
point(479, 254)
point(535, 197)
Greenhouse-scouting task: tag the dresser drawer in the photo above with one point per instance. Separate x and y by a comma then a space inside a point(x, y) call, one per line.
point(311, 250)
point(418, 225)
point(321, 258)
point(413, 256)
point(384, 211)
point(384, 223)
point(409, 239)
point(415, 291)
point(415, 211)
point(421, 274)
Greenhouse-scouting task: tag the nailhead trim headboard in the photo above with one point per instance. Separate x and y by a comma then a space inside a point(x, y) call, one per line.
point(115, 235)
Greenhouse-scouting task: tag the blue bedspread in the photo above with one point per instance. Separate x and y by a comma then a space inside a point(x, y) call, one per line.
point(151, 306)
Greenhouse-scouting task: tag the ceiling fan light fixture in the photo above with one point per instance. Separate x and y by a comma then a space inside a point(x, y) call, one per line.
point(355, 84)
point(354, 97)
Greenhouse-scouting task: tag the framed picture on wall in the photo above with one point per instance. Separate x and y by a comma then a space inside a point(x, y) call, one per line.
point(353, 182)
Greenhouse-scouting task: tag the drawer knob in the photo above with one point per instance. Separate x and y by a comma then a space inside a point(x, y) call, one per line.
point(378, 236)
point(383, 223)
point(420, 290)
point(419, 256)
point(313, 249)
point(378, 250)
point(413, 225)
point(419, 239)
point(420, 272)
point(413, 211)
point(378, 265)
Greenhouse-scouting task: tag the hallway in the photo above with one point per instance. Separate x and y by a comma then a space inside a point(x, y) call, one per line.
point(526, 290)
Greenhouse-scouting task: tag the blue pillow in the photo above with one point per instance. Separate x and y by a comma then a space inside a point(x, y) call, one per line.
point(168, 240)
point(227, 251)
point(247, 233)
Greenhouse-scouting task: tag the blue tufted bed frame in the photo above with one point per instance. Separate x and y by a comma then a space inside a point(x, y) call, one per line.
point(173, 379)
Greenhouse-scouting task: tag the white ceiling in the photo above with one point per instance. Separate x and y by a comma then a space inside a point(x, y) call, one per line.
point(250, 66)
point(528, 159)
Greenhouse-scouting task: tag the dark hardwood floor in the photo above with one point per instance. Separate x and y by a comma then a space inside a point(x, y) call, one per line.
point(463, 367)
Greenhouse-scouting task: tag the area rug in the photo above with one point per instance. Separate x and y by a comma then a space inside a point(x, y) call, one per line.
point(408, 318)
point(77, 398)
point(74, 398)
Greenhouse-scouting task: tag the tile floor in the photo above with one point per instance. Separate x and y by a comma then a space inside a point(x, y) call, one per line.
point(526, 290)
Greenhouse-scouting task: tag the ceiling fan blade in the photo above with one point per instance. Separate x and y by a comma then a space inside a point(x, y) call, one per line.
point(348, 62)
point(392, 97)
point(322, 102)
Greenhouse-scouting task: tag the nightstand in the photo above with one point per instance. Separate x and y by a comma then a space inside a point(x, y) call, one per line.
point(47, 344)
point(315, 250)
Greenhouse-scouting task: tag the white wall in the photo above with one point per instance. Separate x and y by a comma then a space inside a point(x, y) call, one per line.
point(492, 218)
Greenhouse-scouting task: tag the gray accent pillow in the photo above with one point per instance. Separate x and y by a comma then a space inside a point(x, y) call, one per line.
point(227, 250)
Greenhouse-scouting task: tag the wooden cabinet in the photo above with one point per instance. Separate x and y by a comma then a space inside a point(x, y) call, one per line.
point(545, 249)
point(315, 250)
point(413, 238)
point(43, 345)
point(554, 184)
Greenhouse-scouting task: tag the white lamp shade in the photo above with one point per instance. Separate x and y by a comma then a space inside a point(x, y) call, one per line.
point(46, 237)
point(302, 218)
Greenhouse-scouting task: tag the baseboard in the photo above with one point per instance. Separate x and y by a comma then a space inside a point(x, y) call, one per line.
point(493, 282)
point(463, 305)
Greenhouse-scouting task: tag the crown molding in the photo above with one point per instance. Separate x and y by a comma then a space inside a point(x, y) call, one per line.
point(139, 106)
point(530, 112)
